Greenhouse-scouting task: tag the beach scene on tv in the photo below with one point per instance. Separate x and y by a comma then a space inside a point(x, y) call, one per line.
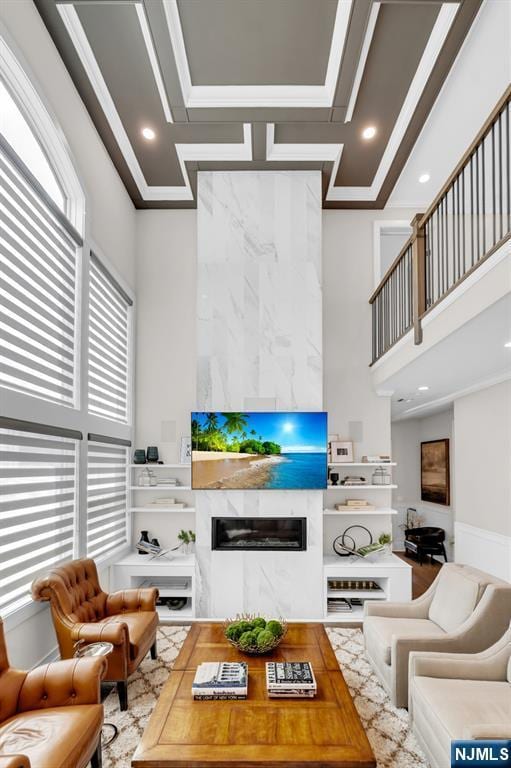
point(254, 450)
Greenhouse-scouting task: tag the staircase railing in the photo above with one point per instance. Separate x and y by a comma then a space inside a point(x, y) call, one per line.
point(466, 223)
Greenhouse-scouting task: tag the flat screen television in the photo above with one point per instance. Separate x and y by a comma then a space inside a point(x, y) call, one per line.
point(259, 450)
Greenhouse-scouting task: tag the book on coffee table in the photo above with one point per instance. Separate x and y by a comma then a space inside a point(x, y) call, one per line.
point(290, 679)
point(220, 680)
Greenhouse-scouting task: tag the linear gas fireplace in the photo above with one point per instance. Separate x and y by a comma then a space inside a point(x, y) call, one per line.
point(259, 533)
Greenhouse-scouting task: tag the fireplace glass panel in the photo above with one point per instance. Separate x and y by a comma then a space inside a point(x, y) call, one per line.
point(259, 533)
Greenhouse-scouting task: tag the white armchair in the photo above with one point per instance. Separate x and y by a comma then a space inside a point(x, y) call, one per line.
point(460, 696)
point(464, 610)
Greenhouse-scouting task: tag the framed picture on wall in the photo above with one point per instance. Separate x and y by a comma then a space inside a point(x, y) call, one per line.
point(341, 452)
point(435, 472)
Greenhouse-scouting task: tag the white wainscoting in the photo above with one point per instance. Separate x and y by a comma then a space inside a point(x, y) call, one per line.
point(489, 551)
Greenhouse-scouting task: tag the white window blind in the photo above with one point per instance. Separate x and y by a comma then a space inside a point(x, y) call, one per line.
point(37, 510)
point(107, 467)
point(108, 345)
point(38, 287)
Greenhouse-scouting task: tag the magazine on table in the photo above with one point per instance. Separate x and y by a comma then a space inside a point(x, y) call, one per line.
point(221, 678)
point(290, 679)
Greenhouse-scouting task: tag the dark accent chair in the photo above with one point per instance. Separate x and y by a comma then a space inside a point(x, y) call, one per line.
point(426, 540)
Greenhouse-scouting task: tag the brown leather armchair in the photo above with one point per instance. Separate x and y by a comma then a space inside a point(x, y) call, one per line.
point(50, 717)
point(81, 610)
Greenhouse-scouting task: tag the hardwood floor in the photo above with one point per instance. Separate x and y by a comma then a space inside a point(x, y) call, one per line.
point(422, 575)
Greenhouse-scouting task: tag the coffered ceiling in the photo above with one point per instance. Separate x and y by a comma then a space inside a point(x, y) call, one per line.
point(258, 84)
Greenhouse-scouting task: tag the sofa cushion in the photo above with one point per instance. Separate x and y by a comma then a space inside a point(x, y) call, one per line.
point(452, 706)
point(455, 598)
point(141, 627)
point(57, 737)
point(379, 631)
point(509, 670)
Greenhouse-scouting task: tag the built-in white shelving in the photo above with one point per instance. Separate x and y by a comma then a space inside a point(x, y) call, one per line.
point(152, 465)
point(360, 511)
point(161, 508)
point(360, 487)
point(362, 464)
point(389, 572)
point(137, 571)
point(161, 488)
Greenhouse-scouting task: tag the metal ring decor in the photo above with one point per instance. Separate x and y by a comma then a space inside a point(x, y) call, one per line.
point(340, 546)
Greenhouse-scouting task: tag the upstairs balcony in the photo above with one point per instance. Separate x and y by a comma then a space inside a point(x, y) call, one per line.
point(467, 223)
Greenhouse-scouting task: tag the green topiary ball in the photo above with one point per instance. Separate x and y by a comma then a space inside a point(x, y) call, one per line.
point(247, 640)
point(259, 622)
point(233, 631)
point(265, 638)
point(245, 626)
point(275, 627)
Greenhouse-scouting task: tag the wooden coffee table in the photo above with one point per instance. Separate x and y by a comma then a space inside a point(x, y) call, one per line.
point(324, 732)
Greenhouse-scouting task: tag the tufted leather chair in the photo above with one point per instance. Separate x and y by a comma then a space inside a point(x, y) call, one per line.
point(81, 610)
point(50, 717)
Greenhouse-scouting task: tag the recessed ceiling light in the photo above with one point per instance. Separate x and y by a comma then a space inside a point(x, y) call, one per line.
point(423, 389)
point(369, 132)
point(409, 400)
point(148, 134)
point(423, 178)
point(508, 344)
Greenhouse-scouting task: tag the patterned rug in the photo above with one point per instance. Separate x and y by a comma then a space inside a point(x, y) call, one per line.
point(386, 727)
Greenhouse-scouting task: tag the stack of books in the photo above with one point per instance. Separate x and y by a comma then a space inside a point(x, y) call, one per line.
point(290, 680)
point(171, 482)
point(351, 504)
point(220, 680)
point(339, 605)
point(168, 502)
point(353, 480)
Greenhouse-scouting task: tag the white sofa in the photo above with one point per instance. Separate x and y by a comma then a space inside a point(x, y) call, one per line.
point(460, 696)
point(463, 611)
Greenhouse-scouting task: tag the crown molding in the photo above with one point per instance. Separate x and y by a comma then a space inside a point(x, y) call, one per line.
point(429, 57)
point(253, 96)
point(185, 152)
point(364, 51)
point(153, 59)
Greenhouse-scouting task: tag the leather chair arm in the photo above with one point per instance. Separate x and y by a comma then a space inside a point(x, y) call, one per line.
point(115, 632)
point(131, 600)
point(14, 761)
point(63, 684)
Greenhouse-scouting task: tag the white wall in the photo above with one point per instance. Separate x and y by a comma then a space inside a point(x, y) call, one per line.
point(407, 436)
point(347, 284)
point(482, 477)
point(477, 80)
point(166, 349)
point(110, 223)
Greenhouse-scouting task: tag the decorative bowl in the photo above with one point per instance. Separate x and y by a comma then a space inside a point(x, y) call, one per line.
point(254, 649)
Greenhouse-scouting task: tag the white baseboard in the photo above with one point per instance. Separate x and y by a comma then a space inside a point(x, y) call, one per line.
point(486, 550)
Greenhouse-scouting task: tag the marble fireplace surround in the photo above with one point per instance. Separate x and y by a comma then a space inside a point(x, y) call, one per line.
point(259, 343)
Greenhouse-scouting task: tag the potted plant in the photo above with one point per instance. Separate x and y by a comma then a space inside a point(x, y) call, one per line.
point(187, 539)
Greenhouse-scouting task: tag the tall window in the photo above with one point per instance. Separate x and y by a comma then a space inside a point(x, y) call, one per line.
point(107, 468)
point(38, 476)
point(38, 287)
point(48, 402)
point(109, 368)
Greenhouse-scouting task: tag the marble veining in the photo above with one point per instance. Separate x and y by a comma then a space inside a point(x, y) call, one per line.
point(259, 335)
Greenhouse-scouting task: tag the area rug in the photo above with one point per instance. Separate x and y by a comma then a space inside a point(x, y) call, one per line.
point(387, 727)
